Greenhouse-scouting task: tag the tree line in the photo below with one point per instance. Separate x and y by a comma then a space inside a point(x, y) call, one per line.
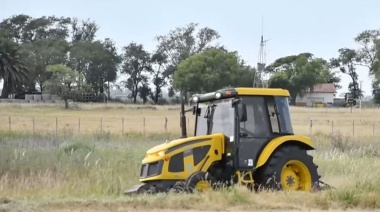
point(61, 55)
point(300, 72)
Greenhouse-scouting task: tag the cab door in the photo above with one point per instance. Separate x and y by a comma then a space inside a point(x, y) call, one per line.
point(252, 133)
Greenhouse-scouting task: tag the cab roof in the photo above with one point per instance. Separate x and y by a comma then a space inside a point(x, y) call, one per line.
point(239, 91)
point(261, 91)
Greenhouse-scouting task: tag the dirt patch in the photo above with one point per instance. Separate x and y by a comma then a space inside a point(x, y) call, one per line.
point(147, 107)
point(8, 205)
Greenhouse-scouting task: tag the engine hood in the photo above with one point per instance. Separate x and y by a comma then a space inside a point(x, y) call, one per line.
point(181, 141)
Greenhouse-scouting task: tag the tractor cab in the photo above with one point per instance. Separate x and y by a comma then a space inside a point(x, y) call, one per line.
point(249, 118)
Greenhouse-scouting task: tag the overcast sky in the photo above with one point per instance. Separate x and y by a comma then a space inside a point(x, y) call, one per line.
point(293, 26)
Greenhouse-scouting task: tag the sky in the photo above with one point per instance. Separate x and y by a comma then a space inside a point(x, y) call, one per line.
point(291, 27)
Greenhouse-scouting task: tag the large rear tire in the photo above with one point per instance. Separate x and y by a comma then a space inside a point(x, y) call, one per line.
point(288, 168)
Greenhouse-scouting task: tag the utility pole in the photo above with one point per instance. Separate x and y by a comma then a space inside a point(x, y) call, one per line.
point(259, 80)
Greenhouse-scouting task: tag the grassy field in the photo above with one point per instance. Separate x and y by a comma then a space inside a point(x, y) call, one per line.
point(86, 168)
point(121, 118)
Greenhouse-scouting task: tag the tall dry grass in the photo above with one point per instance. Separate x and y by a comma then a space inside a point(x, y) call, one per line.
point(56, 170)
point(118, 118)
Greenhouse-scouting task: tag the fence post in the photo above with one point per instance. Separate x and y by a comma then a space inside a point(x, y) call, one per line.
point(10, 123)
point(56, 125)
point(373, 128)
point(311, 126)
point(144, 125)
point(79, 125)
point(122, 125)
point(166, 124)
point(101, 125)
point(188, 125)
point(353, 127)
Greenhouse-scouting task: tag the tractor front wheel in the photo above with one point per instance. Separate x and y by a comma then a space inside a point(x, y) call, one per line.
point(199, 182)
point(289, 168)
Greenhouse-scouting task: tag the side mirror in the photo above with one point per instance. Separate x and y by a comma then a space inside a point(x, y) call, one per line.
point(196, 111)
point(242, 112)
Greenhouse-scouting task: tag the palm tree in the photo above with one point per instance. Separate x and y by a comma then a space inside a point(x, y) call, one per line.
point(13, 68)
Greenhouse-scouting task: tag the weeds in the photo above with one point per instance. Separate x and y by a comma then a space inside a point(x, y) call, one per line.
point(340, 142)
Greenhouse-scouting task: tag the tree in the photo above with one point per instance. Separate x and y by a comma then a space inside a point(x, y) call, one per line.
point(246, 75)
point(14, 26)
point(333, 78)
point(80, 59)
point(103, 62)
point(376, 91)
point(369, 41)
point(97, 63)
point(42, 39)
point(346, 62)
point(211, 70)
point(136, 64)
point(159, 61)
point(183, 42)
point(82, 44)
point(298, 73)
point(376, 70)
point(144, 91)
point(45, 52)
point(26, 29)
point(367, 51)
point(63, 82)
point(13, 68)
point(84, 31)
point(111, 66)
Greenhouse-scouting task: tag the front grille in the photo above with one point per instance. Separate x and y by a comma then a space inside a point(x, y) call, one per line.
point(151, 169)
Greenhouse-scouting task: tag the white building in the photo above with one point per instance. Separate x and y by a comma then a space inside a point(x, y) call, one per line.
point(322, 93)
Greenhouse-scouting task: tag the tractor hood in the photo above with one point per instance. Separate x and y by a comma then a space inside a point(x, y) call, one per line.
point(182, 142)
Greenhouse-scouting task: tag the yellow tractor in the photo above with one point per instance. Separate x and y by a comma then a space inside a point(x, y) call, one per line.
point(242, 136)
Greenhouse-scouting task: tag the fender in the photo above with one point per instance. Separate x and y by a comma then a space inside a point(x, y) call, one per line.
point(275, 143)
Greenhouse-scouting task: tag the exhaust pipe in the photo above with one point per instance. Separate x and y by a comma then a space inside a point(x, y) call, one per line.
point(183, 118)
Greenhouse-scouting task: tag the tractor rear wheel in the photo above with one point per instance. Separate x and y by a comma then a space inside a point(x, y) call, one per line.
point(288, 168)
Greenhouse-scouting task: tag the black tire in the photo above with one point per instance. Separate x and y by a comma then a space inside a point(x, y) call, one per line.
point(178, 187)
point(196, 177)
point(268, 177)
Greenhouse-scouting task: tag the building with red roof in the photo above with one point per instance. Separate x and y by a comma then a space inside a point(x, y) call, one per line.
point(321, 93)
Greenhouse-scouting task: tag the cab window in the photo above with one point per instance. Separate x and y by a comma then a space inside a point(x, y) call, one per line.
point(257, 124)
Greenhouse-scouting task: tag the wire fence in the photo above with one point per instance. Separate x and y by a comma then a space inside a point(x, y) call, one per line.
point(154, 124)
point(81, 125)
point(355, 127)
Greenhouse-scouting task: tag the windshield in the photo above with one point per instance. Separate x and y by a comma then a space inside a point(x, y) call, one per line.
point(216, 117)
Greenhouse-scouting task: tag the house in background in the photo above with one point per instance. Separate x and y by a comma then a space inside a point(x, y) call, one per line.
point(322, 93)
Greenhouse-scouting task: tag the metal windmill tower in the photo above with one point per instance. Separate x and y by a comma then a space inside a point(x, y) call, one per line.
point(259, 80)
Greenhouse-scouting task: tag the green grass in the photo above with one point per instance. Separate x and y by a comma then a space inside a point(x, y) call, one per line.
point(33, 166)
point(88, 171)
point(57, 172)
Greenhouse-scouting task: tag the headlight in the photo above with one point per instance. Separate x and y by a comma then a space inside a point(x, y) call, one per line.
point(195, 99)
point(218, 95)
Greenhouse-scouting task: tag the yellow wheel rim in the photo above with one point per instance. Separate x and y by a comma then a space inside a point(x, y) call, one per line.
point(202, 185)
point(295, 176)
